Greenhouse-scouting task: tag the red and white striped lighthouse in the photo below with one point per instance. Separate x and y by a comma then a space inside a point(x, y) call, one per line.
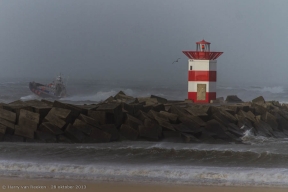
point(202, 72)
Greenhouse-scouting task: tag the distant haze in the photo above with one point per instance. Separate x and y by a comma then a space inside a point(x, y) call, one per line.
point(139, 39)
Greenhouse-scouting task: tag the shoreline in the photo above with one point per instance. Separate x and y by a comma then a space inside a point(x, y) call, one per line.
point(13, 184)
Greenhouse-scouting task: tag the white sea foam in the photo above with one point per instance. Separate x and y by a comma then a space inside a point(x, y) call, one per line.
point(276, 89)
point(30, 97)
point(229, 176)
point(99, 96)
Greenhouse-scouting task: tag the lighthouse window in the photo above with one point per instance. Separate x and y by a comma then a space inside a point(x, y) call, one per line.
point(191, 68)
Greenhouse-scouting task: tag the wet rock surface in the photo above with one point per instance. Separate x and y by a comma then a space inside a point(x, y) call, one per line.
point(154, 118)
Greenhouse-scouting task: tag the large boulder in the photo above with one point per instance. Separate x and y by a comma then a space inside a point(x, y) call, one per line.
point(217, 130)
point(133, 122)
point(113, 113)
point(74, 134)
point(159, 99)
point(24, 131)
point(112, 130)
point(50, 117)
point(50, 128)
point(12, 138)
point(259, 100)
point(9, 126)
point(64, 114)
point(89, 120)
point(45, 137)
point(150, 133)
point(82, 126)
point(271, 120)
point(172, 117)
point(8, 115)
point(98, 136)
point(233, 99)
point(128, 132)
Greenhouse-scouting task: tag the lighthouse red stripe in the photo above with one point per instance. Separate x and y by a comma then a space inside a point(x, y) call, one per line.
point(209, 96)
point(202, 76)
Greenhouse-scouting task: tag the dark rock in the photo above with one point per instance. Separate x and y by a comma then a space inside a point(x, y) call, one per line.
point(235, 130)
point(147, 100)
point(151, 133)
point(259, 109)
point(113, 113)
point(249, 115)
point(128, 108)
point(218, 100)
point(98, 136)
point(13, 138)
point(137, 108)
point(24, 131)
point(193, 121)
point(128, 132)
point(133, 122)
point(50, 128)
point(64, 114)
point(271, 120)
point(82, 126)
point(159, 99)
point(112, 130)
point(9, 126)
point(31, 116)
point(8, 115)
point(158, 107)
point(233, 99)
point(172, 117)
point(47, 102)
point(3, 129)
point(259, 100)
point(187, 127)
point(89, 120)
point(171, 134)
point(55, 120)
point(243, 123)
point(263, 129)
point(187, 138)
point(45, 137)
point(75, 111)
point(42, 111)
point(74, 134)
point(63, 139)
point(27, 123)
point(99, 116)
point(217, 130)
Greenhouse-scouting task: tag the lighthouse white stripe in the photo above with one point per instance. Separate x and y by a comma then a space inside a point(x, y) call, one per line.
point(202, 65)
point(210, 86)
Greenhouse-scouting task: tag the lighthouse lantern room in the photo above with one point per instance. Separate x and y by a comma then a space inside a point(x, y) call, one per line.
point(202, 73)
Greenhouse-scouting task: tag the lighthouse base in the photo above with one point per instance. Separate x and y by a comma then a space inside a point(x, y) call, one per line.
point(205, 98)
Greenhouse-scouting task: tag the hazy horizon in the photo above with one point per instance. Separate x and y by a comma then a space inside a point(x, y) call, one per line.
point(139, 40)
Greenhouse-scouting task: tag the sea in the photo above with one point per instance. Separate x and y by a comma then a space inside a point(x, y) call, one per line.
point(259, 161)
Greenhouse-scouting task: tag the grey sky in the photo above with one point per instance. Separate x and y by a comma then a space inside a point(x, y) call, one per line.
point(139, 39)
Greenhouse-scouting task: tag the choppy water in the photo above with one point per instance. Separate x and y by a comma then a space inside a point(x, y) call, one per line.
point(260, 161)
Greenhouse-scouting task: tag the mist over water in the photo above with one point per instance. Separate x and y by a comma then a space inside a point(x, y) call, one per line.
point(87, 91)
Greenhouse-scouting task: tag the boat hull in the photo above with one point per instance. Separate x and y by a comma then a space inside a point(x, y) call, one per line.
point(42, 90)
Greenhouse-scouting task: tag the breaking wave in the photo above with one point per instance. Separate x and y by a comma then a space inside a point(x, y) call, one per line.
point(276, 89)
point(30, 97)
point(99, 96)
point(237, 176)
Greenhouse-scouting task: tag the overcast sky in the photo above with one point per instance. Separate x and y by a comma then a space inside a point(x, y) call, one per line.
point(139, 39)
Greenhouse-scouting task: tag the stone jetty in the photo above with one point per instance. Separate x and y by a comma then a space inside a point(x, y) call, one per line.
point(153, 118)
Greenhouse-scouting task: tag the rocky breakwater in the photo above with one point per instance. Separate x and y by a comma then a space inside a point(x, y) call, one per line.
point(153, 118)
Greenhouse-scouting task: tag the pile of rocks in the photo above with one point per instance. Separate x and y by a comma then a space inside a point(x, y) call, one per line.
point(153, 118)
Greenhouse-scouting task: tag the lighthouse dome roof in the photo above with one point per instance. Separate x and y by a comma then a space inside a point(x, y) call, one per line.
point(203, 42)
